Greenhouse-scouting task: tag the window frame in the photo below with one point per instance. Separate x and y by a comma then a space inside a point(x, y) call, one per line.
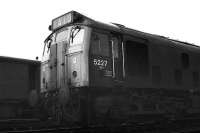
point(195, 78)
point(178, 77)
point(185, 60)
point(97, 31)
point(82, 41)
point(62, 30)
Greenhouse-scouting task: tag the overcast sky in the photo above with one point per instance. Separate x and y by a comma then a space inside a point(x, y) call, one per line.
point(24, 23)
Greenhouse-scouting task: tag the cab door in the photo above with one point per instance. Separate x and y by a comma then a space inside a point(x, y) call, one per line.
point(106, 64)
point(117, 57)
point(57, 65)
point(101, 73)
point(53, 67)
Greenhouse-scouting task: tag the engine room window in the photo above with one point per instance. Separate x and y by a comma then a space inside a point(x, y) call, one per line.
point(137, 58)
point(195, 79)
point(100, 44)
point(185, 60)
point(178, 77)
point(156, 75)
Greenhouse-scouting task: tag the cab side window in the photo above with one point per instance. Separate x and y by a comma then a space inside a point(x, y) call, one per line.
point(100, 44)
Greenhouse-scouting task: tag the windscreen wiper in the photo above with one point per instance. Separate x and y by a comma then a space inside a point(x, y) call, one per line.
point(73, 34)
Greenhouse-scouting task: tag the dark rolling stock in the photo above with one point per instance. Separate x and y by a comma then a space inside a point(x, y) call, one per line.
point(19, 87)
point(99, 74)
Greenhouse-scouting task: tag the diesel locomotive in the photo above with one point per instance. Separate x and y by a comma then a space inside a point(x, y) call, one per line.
point(97, 74)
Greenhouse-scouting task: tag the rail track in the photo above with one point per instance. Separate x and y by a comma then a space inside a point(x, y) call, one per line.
point(171, 126)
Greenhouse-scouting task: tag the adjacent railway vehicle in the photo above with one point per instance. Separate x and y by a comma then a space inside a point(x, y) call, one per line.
point(19, 88)
point(98, 74)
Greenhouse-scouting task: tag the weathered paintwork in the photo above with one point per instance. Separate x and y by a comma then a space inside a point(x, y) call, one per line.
point(100, 89)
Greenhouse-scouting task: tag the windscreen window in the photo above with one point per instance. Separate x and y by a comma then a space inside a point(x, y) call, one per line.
point(100, 44)
point(77, 35)
point(62, 36)
point(46, 50)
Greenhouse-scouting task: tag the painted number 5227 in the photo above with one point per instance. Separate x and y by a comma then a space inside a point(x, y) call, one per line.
point(100, 62)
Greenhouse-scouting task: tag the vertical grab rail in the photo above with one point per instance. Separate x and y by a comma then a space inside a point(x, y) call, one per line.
point(123, 60)
point(113, 58)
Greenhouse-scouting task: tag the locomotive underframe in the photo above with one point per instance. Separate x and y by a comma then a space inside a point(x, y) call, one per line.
point(115, 106)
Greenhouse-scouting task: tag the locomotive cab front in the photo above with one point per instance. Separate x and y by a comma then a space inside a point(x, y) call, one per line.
point(78, 57)
point(77, 51)
point(65, 58)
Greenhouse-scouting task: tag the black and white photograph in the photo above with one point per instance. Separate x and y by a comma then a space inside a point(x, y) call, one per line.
point(108, 66)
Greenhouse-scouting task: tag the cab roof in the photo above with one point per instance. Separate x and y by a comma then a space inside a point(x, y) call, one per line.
point(81, 19)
